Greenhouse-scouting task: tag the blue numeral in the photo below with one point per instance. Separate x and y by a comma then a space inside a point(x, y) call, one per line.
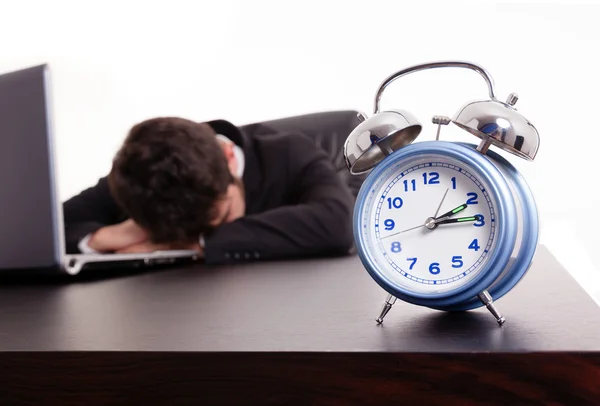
point(414, 185)
point(414, 261)
point(396, 247)
point(480, 222)
point(434, 268)
point(474, 245)
point(389, 224)
point(396, 202)
point(473, 199)
point(453, 183)
point(434, 176)
point(457, 261)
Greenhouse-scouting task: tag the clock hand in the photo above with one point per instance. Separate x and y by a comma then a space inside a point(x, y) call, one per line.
point(433, 223)
point(451, 212)
point(440, 206)
point(403, 231)
point(422, 225)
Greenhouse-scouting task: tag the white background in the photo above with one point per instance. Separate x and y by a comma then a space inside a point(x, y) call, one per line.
point(118, 62)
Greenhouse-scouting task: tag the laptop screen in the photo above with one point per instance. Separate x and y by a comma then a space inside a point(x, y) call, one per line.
point(28, 216)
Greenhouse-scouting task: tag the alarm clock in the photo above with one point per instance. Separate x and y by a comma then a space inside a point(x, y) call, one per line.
point(451, 226)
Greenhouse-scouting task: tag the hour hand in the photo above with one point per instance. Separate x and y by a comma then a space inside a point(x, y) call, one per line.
point(453, 211)
point(442, 220)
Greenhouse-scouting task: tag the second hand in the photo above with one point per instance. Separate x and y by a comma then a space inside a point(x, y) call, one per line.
point(422, 225)
point(403, 231)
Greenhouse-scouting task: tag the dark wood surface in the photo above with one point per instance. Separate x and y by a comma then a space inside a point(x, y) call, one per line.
point(291, 332)
point(308, 305)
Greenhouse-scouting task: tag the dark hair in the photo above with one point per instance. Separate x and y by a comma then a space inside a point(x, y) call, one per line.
point(167, 177)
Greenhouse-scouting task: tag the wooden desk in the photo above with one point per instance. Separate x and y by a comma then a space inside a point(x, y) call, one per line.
point(300, 332)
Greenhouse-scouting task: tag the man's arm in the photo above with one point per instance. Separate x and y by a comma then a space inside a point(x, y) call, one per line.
point(88, 212)
point(318, 223)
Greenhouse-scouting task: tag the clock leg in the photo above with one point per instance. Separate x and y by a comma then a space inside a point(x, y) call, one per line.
point(488, 301)
point(389, 302)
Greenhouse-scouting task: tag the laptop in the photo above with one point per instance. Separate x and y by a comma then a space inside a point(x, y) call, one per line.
point(31, 213)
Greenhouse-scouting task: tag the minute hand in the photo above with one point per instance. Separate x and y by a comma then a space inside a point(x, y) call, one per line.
point(457, 220)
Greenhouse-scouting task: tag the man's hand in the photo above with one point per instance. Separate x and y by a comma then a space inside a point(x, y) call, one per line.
point(148, 246)
point(128, 237)
point(117, 237)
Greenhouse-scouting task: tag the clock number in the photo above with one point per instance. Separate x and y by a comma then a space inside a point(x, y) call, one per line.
point(413, 183)
point(396, 202)
point(457, 261)
point(453, 183)
point(389, 224)
point(434, 268)
point(433, 178)
point(474, 245)
point(414, 261)
point(396, 247)
point(479, 222)
point(473, 198)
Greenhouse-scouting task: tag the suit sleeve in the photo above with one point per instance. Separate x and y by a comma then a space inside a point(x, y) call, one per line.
point(318, 222)
point(88, 211)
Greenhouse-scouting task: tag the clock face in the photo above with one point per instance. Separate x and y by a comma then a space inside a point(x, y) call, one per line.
point(428, 224)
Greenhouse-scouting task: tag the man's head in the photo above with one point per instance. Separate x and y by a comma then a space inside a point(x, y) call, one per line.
point(175, 179)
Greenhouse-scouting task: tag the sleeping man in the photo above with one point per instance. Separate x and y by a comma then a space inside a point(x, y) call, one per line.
point(233, 194)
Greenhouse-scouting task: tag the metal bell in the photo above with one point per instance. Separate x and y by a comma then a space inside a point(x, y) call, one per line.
point(491, 120)
point(499, 124)
point(377, 137)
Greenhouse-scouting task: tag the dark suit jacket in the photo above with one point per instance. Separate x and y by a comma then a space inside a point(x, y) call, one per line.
point(297, 202)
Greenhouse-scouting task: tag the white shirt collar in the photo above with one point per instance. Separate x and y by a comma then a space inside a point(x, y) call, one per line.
point(239, 155)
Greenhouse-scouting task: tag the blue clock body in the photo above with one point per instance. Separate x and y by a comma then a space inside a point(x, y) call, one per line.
point(486, 242)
